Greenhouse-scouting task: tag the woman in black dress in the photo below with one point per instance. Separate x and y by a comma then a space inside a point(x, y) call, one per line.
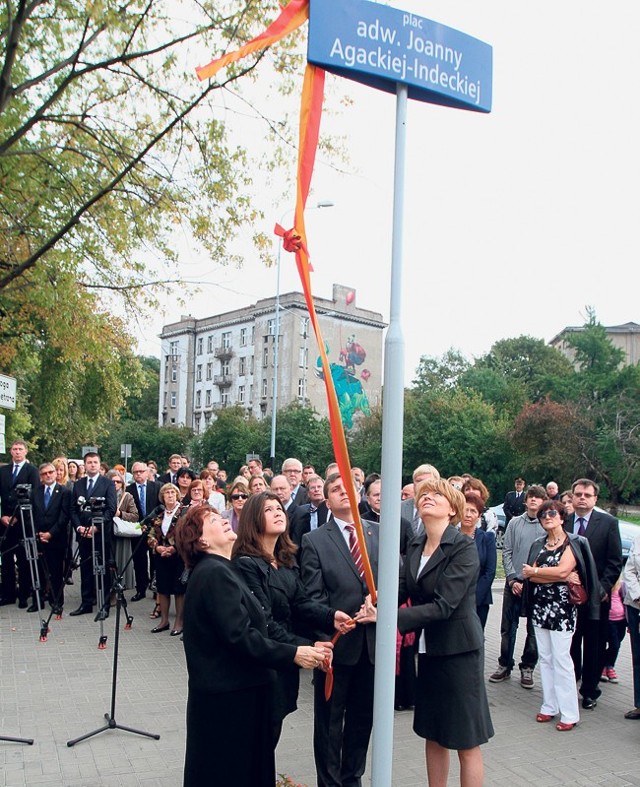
point(228, 659)
point(168, 564)
point(440, 576)
point(264, 556)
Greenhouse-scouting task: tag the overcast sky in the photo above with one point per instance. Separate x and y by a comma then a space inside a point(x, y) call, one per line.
point(514, 221)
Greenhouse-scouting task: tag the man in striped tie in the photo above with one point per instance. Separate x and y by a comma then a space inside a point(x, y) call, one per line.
point(331, 568)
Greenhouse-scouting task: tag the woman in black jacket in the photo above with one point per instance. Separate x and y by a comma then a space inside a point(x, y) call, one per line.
point(229, 657)
point(264, 557)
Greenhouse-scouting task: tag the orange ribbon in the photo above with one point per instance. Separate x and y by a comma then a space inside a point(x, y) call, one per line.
point(291, 17)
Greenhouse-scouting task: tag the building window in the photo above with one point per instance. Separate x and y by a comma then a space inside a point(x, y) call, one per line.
point(242, 364)
point(224, 398)
point(210, 370)
point(199, 373)
point(251, 365)
point(207, 398)
point(174, 399)
point(241, 392)
point(271, 326)
point(173, 349)
point(302, 358)
point(207, 420)
point(253, 334)
point(198, 399)
point(174, 375)
point(196, 423)
point(304, 321)
point(243, 337)
point(209, 344)
point(225, 368)
point(264, 387)
point(226, 340)
point(199, 346)
point(265, 357)
point(166, 396)
point(251, 393)
point(301, 388)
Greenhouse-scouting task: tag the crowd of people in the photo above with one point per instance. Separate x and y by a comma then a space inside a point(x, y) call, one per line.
point(267, 578)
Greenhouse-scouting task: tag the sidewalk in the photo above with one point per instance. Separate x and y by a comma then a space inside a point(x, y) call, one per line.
point(60, 689)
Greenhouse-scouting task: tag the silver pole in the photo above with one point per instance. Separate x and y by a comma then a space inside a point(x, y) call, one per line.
point(274, 410)
point(392, 426)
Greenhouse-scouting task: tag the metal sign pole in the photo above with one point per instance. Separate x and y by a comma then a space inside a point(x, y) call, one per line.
point(392, 430)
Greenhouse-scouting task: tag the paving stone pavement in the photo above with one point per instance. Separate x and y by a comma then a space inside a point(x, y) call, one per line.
point(58, 690)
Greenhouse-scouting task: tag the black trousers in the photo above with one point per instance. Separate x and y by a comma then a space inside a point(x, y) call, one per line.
point(588, 648)
point(14, 585)
point(140, 562)
point(342, 725)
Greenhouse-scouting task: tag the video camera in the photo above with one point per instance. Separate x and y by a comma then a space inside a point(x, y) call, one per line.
point(93, 505)
point(23, 492)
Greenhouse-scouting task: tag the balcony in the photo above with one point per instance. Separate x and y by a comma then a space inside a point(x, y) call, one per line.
point(223, 353)
point(222, 380)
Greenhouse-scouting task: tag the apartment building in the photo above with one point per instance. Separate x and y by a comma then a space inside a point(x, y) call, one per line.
point(230, 359)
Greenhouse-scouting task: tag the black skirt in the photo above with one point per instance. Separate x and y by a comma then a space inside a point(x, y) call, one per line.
point(451, 700)
point(229, 739)
point(169, 570)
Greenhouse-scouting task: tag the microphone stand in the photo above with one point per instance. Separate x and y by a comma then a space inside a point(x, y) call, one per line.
point(121, 603)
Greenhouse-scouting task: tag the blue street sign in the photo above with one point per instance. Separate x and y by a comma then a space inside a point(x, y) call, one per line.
point(381, 46)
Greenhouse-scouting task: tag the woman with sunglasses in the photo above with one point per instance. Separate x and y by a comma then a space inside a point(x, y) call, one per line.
point(238, 495)
point(556, 559)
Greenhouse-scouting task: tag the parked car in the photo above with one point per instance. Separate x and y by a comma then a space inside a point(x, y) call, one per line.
point(628, 531)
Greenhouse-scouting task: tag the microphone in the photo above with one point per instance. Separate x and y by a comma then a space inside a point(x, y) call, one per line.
point(81, 501)
point(152, 515)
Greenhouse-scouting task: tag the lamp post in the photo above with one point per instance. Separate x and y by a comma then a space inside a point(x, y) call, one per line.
point(272, 459)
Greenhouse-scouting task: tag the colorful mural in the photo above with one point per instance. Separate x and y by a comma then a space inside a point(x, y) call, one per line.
point(352, 397)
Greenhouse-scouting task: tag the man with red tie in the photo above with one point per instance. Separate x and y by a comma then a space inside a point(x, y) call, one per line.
point(331, 569)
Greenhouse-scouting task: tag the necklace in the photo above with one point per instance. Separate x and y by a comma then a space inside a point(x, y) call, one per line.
point(554, 543)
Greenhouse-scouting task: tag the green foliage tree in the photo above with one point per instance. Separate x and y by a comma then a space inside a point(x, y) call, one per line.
point(443, 373)
point(549, 438)
point(365, 442)
point(541, 369)
point(459, 433)
point(301, 433)
point(229, 438)
point(144, 405)
point(148, 441)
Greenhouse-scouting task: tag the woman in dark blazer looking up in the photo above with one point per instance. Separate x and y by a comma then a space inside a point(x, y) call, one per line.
point(439, 576)
point(229, 656)
point(264, 556)
point(486, 546)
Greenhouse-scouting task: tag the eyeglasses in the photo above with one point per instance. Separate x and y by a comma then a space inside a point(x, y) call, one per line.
point(551, 512)
point(239, 497)
point(48, 472)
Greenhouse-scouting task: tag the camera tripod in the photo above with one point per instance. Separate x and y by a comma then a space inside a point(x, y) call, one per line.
point(118, 587)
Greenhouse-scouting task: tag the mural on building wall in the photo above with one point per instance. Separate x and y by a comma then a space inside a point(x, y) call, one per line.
point(352, 397)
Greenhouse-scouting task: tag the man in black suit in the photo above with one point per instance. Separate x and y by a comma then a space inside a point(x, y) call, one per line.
point(17, 472)
point(309, 516)
point(93, 485)
point(514, 502)
point(145, 496)
point(175, 463)
point(292, 469)
point(590, 637)
point(51, 504)
point(342, 725)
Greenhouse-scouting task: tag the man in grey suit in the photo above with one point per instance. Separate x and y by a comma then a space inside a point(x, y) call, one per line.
point(590, 636)
point(342, 724)
point(408, 507)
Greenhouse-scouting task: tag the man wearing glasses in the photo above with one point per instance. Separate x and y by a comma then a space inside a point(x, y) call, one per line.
point(292, 469)
point(590, 636)
point(51, 506)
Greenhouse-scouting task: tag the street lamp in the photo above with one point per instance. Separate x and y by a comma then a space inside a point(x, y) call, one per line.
point(320, 204)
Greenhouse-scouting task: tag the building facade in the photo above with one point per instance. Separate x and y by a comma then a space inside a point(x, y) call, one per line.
point(230, 359)
point(625, 337)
